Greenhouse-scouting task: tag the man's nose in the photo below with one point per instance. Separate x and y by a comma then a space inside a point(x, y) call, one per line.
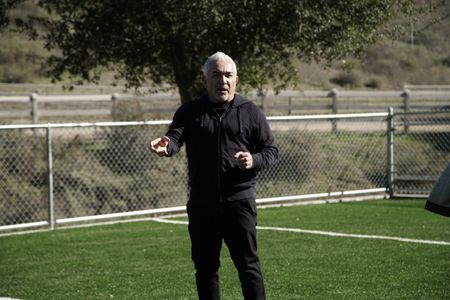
point(222, 79)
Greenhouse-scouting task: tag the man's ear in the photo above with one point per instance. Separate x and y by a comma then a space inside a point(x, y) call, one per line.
point(237, 79)
point(204, 80)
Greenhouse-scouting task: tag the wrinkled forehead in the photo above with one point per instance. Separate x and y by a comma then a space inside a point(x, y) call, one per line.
point(222, 65)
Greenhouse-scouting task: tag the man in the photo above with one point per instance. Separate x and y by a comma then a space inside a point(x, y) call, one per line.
point(227, 141)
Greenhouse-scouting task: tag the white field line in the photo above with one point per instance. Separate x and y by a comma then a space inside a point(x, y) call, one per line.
point(164, 220)
point(328, 233)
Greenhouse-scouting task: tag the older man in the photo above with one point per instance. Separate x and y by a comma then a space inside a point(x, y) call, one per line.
point(227, 141)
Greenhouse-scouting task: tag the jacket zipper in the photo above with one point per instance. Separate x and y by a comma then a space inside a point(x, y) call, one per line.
point(219, 158)
point(219, 151)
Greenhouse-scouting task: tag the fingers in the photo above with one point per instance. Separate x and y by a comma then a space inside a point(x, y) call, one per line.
point(159, 146)
point(154, 143)
point(245, 160)
point(165, 139)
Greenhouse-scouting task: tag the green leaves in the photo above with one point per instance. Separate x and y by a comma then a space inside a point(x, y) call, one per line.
point(168, 41)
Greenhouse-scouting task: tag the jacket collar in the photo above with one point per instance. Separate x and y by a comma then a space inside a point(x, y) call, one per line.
point(237, 101)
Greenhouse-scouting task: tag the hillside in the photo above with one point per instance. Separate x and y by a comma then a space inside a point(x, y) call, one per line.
point(421, 58)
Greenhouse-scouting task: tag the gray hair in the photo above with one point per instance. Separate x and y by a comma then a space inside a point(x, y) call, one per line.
point(215, 57)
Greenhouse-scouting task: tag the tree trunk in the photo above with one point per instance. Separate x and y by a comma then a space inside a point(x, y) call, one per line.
point(186, 71)
point(186, 92)
point(189, 85)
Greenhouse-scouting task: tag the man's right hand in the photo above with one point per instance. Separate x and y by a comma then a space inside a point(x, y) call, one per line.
point(159, 146)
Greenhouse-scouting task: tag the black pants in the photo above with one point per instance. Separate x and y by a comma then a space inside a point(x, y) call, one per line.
point(235, 223)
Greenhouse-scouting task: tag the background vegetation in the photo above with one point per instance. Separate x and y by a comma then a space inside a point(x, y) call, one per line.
point(420, 58)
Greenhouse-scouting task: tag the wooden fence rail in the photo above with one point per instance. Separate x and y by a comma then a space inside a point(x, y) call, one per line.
point(36, 108)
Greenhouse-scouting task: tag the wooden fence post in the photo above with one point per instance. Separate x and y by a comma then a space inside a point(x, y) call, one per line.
point(334, 96)
point(34, 108)
point(406, 100)
point(406, 107)
point(290, 106)
point(262, 95)
point(114, 98)
point(334, 107)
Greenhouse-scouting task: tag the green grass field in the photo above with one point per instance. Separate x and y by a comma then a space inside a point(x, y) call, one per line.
point(150, 260)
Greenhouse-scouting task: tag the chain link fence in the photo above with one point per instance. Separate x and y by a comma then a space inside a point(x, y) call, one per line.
point(65, 173)
point(327, 154)
point(421, 151)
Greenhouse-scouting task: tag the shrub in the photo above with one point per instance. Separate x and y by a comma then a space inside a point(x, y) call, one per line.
point(346, 79)
point(373, 83)
point(446, 61)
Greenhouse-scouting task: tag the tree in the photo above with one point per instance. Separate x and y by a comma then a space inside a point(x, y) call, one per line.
point(166, 41)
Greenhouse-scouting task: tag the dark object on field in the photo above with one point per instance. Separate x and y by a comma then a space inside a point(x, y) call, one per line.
point(439, 199)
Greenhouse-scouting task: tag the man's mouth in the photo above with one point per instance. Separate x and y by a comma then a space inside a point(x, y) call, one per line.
point(222, 90)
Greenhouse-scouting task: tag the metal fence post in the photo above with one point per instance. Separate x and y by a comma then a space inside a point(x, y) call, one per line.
point(390, 151)
point(51, 210)
point(34, 108)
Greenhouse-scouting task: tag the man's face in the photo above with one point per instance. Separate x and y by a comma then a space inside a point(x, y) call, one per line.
point(221, 81)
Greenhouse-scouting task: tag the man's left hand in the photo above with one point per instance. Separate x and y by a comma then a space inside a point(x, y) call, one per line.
point(245, 160)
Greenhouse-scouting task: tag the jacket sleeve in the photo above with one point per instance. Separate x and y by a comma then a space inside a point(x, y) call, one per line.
point(265, 152)
point(176, 132)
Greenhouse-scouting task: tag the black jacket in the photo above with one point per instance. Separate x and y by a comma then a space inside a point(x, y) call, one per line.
point(212, 141)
